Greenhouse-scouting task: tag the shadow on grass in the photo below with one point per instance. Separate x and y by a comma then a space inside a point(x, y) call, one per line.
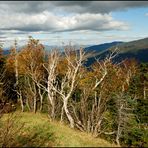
point(37, 137)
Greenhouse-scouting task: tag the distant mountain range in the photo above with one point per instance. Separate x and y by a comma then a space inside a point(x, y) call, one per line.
point(101, 47)
point(47, 48)
point(137, 49)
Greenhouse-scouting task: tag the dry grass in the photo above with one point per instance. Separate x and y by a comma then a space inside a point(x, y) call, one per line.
point(40, 131)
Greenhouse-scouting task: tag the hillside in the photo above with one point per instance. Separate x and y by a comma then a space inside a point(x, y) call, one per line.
point(133, 46)
point(102, 47)
point(40, 131)
point(137, 49)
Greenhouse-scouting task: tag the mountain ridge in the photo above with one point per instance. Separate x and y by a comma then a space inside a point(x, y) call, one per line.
point(137, 49)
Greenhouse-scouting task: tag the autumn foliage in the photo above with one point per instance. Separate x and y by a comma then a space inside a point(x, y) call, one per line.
point(94, 99)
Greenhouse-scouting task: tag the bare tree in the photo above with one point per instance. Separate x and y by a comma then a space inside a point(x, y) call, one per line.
point(14, 55)
point(67, 85)
point(94, 96)
point(50, 67)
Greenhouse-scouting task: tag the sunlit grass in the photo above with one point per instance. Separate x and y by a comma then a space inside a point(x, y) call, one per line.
point(40, 131)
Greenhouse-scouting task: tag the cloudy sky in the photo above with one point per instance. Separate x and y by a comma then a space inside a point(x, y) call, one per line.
point(79, 22)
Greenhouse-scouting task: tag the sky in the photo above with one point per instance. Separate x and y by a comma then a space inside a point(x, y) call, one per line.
point(78, 22)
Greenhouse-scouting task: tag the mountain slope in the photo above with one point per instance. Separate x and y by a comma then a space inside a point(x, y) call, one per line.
point(133, 46)
point(137, 49)
point(101, 47)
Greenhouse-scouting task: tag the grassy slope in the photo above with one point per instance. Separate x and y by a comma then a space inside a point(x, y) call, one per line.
point(39, 131)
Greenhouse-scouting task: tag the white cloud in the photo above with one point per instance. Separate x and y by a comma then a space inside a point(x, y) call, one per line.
point(19, 19)
point(47, 21)
point(146, 14)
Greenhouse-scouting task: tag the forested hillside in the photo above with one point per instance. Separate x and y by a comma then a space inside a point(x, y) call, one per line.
point(137, 49)
point(107, 100)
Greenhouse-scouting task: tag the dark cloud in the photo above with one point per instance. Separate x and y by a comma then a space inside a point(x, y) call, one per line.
point(98, 6)
point(70, 6)
point(23, 6)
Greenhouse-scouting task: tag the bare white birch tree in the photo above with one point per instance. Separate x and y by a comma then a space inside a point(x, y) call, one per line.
point(17, 88)
point(50, 67)
point(91, 118)
point(67, 85)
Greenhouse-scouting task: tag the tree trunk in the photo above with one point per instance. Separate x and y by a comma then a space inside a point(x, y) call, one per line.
point(41, 105)
point(62, 113)
point(34, 104)
point(68, 114)
point(34, 99)
point(119, 126)
point(118, 135)
point(21, 101)
point(41, 98)
point(98, 126)
point(27, 103)
point(144, 92)
point(52, 110)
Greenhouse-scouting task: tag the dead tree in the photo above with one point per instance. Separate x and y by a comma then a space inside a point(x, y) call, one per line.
point(50, 67)
point(67, 85)
point(16, 70)
point(94, 97)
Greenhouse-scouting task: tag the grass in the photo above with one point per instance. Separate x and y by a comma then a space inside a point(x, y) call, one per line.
point(40, 131)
